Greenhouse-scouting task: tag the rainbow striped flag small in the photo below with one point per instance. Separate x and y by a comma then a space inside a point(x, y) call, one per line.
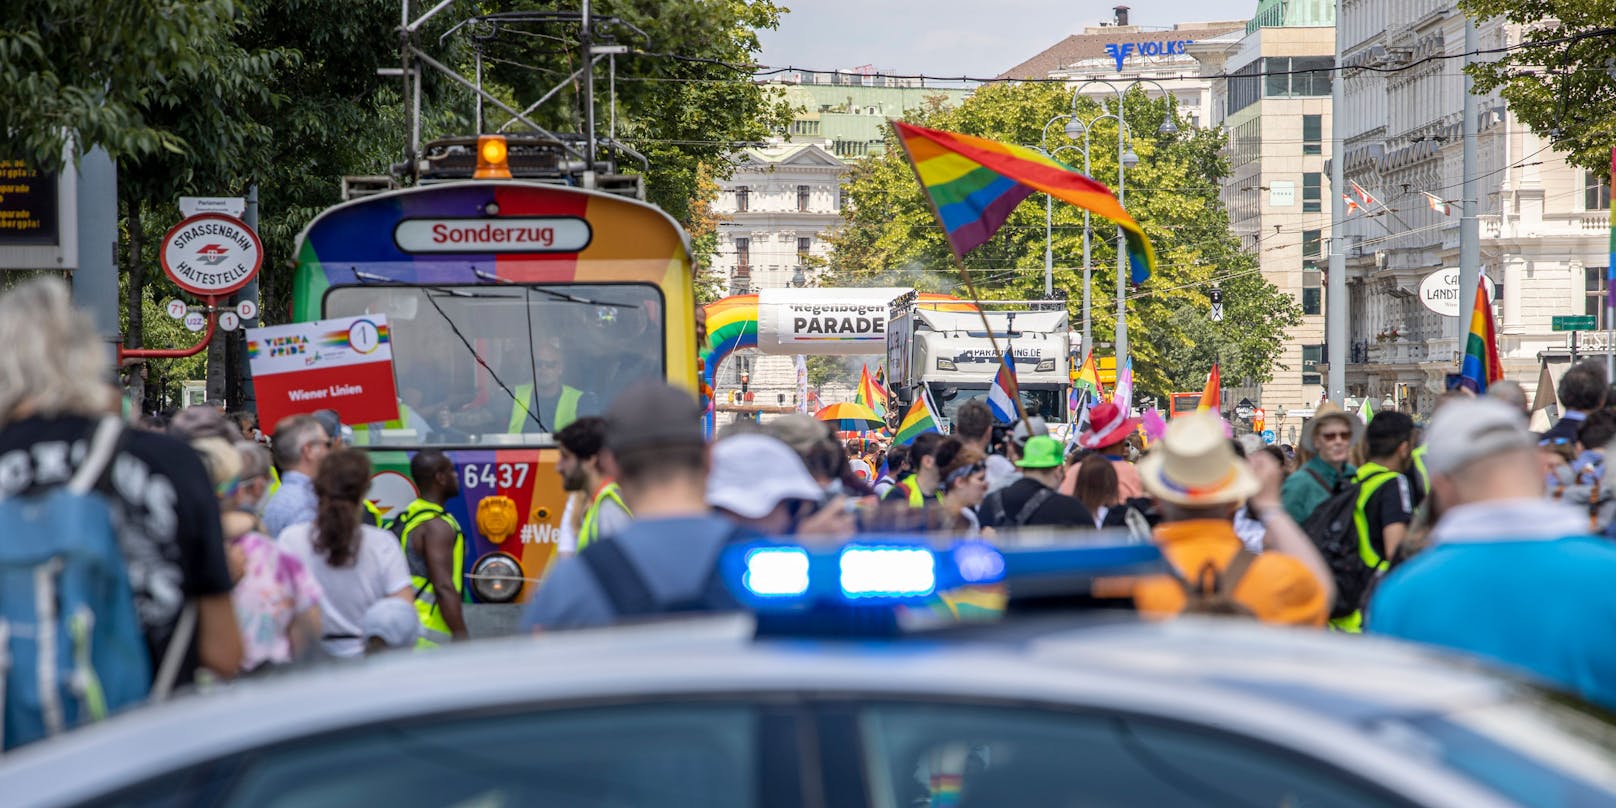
point(1481, 366)
point(918, 421)
point(870, 393)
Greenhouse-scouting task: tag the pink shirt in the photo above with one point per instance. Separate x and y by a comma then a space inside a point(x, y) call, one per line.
point(1128, 484)
point(274, 588)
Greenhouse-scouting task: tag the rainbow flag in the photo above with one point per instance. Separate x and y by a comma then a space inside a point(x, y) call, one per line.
point(973, 184)
point(1123, 393)
point(870, 393)
point(917, 422)
point(1481, 367)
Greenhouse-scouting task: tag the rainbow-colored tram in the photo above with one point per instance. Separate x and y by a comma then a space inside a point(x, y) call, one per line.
point(495, 292)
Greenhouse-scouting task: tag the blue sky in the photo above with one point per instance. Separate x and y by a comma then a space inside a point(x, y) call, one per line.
point(955, 37)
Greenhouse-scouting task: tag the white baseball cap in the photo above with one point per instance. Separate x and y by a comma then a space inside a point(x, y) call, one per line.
point(392, 620)
point(751, 474)
point(1468, 430)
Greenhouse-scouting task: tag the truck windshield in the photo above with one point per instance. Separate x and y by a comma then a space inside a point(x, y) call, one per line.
point(1039, 403)
point(507, 365)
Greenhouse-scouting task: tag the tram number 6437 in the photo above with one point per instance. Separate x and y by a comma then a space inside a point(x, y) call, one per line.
point(495, 475)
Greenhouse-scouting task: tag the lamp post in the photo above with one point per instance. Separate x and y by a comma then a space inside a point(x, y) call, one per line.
point(1073, 128)
point(1126, 159)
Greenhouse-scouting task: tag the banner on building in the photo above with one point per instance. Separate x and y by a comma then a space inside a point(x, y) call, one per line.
point(343, 364)
point(825, 321)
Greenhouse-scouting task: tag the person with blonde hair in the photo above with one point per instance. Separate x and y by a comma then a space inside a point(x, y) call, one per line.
point(55, 388)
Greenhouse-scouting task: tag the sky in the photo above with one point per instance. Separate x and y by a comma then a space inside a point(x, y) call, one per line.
point(980, 38)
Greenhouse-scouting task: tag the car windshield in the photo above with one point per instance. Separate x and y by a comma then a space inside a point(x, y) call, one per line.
point(1541, 744)
point(507, 365)
point(1039, 403)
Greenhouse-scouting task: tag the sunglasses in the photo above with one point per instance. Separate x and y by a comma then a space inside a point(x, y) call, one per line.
point(1327, 436)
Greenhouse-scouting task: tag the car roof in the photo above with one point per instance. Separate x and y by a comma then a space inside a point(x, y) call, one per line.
point(1304, 690)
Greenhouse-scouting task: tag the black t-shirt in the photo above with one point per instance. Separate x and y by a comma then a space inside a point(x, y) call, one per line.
point(163, 503)
point(1391, 504)
point(1058, 510)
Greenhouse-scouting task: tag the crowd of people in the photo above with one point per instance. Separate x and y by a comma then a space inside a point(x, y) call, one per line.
point(1471, 532)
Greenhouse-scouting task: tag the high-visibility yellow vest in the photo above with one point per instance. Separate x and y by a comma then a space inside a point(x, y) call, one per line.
point(590, 530)
point(917, 499)
point(1419, 466)
point(1370, 477)
point(419, 512)
point(373, 514)
point(566, 408)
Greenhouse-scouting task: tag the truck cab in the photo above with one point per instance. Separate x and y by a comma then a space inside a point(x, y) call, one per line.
point(956, 361)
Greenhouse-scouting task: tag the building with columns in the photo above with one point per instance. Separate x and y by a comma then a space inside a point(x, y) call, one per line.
point(1277, 148)
point(1544, 223)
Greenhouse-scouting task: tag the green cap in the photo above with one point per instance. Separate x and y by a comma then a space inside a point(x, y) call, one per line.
point(1041, 452)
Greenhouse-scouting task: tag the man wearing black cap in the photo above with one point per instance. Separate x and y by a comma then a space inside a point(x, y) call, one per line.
point(664, 560)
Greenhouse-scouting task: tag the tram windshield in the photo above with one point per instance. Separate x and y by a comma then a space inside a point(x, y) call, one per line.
point(507, 365)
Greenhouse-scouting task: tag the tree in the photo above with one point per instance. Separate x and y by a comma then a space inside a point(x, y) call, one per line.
point(1558, 81)
point(890, 236)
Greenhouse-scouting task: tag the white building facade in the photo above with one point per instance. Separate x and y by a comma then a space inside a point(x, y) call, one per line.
point(775, 211)
point(1544, 223)
point(1275, 192)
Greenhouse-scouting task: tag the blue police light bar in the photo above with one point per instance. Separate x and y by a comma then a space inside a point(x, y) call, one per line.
point(885, 571)
point(776, 572)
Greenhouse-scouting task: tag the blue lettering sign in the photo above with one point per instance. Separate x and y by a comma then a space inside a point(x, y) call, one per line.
point(1120, 51)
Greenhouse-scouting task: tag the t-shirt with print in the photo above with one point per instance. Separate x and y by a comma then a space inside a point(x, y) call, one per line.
point(274, 589)
point(378, 570)
point(164, 506)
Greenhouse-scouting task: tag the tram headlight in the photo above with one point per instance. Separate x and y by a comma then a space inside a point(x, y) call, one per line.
point(496, 578)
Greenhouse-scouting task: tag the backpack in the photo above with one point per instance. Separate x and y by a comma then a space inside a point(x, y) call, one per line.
point(1332, 529)
point(630, 594)
point(1212, 591)
point(993, 506)
point(71, 645)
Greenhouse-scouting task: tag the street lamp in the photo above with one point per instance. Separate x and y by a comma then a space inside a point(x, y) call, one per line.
point(798, 279)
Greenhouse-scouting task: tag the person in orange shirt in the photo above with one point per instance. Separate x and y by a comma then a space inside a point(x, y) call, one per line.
point(1199, 483)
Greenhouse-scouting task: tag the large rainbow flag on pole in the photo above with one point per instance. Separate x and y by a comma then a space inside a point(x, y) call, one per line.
point(973, 183)
point(1481, 367)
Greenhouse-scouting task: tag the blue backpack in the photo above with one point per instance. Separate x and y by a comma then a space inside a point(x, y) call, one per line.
point(71, 646)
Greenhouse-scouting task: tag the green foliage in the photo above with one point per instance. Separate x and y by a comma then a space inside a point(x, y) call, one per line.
point(891, 237)
point(823, 370)
point(1562, 90)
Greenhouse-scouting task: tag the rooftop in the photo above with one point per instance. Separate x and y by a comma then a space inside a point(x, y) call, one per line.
point(1091, 44)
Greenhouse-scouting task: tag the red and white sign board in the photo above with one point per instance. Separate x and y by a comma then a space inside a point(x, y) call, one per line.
point(344, 365)
point(211, 254)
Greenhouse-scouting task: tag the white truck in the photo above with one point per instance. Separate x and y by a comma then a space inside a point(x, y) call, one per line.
point(954, 358)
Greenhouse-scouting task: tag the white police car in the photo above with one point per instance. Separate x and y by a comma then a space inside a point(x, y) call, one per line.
point(1046, 710)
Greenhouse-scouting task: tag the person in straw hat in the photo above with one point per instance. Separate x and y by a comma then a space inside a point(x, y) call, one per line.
point(1199, 483)
point(1326, 442)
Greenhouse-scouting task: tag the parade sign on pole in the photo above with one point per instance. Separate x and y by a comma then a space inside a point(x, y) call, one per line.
point(343, 364)
point(211, 254)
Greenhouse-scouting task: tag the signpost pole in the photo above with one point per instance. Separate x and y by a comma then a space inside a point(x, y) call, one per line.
point(249, 399)
point(1574, 347)
point(95, 280)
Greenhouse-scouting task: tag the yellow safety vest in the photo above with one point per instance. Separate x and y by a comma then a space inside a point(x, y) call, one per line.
point(373, 513)
point(1419, 465)
point(916, 498)
point(426, 597)
point(566, 408)
point(1370, 477)
point(590, 530)
point(274, 481)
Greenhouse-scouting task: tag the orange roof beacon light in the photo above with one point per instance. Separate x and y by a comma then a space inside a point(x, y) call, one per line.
point(492, 158)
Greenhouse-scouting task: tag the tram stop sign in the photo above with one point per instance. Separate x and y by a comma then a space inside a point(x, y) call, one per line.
point(211, 254)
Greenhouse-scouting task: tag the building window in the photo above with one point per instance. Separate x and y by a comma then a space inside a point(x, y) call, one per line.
point(1595, 287)
point(803, 246)
point(802, 199)
point(1245, 87)
point(1312, 279)
point(1312, 134)
point(841, 198)
point(1595, 192)
point(1292, 76)
point(743, 199)
point(1312, 192)
point(1312, 355)
point(743, 256)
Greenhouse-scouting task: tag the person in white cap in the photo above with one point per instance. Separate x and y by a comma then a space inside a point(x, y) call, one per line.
point(759, 483)
point(1509, 576)
point(1199, 483)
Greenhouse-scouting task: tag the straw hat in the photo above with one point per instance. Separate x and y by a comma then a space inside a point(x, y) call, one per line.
point(1325, 412)
point(1194, 465)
